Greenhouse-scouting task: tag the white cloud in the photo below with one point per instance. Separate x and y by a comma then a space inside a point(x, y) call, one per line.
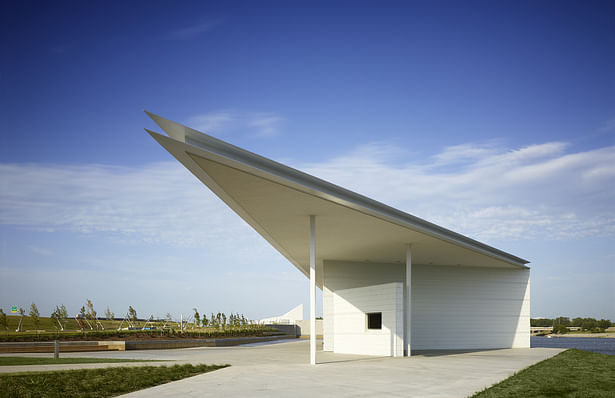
point(256, 124)
point(158, 202)
point(215, 121)
point(499, 194)
point(40, 250)
point(265, 123)
point(463, 153)
point(492, 192)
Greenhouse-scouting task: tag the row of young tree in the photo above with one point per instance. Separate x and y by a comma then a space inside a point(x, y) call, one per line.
point(60, 315)
point(88, 313)
point(219, 320)
point(34, 314)
point(584, 323)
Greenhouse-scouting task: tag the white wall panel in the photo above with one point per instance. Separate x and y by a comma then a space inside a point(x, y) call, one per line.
point(452, 307)
point(328, 318)
point(351, 335)
point(469, 307)
point(351, 290)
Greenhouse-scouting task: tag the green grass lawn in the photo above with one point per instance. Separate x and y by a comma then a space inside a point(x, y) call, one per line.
point(572, 373)
point(13, 361)
point(95, 382)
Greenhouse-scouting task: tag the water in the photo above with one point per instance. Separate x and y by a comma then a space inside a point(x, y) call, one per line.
point(594, 344)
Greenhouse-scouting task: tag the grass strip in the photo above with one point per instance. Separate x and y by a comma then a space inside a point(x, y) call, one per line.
point(16, 361)
point(572, 373)
point(95, 382)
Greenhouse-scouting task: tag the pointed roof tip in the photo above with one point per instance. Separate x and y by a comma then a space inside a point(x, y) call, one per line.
point(172, 129)
point(160, 119)
point(153, 116)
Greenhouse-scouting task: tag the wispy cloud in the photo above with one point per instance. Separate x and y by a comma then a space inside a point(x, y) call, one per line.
point(40, 250)
point(535, 191)
point(257, 124)
point(158, 202)
point(189, 32)
point(492, 192)
point(266, 124)
point(213, 122)
point(463, 153)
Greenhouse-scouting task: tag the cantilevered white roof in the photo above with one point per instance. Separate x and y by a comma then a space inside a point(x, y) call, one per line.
point(276, 201)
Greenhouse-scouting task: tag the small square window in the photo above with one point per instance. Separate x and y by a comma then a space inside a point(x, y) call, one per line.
point(374, 320)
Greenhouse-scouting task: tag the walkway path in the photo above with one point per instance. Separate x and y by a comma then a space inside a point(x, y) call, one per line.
point(282, 368)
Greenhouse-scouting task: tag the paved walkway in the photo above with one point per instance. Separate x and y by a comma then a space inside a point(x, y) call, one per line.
point(265, 370)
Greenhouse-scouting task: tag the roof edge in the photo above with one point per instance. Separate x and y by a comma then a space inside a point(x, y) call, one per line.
point(206, 142)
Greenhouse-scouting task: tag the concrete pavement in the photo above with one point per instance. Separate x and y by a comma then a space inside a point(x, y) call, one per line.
point(263, 370)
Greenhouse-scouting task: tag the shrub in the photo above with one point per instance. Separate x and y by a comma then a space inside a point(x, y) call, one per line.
point(560, 329)
point(229, 331)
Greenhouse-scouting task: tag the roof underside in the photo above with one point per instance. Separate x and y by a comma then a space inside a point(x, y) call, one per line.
point(276, 201)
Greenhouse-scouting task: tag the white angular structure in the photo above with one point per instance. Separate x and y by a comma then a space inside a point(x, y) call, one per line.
point(391, 282)
point(289, 318)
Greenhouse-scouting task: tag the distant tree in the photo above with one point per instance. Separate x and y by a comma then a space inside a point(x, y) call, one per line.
point(541, 322)
point(560, 329)
point(223, 319)
point(604, 323)
point(212, 320)
point(562, 320)
point(197, 317)
point(63, 311)
point(35, 315)
point(4, 323)
point(132, 314)
point(22, 314)
point(205, 320)
point(108, 314)
point(82, 313)
point(168, 317)
point(57, 316)
point(91, 312)
point(589, 323)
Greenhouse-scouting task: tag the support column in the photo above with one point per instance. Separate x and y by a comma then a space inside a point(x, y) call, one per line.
point(408, 302)
point(313, 290)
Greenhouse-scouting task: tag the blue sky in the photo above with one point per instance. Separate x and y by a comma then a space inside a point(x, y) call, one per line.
point(494, 119)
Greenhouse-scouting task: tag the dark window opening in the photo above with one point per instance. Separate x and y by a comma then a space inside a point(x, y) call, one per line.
point(374, 320)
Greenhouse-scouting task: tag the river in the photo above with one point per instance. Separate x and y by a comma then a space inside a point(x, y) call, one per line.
point(595, 344)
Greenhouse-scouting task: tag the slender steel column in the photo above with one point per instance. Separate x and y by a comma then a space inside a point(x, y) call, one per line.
point(408, 302)
point(313, 290)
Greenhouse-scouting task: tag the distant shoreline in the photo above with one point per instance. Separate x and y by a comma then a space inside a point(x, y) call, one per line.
point(584, 335)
